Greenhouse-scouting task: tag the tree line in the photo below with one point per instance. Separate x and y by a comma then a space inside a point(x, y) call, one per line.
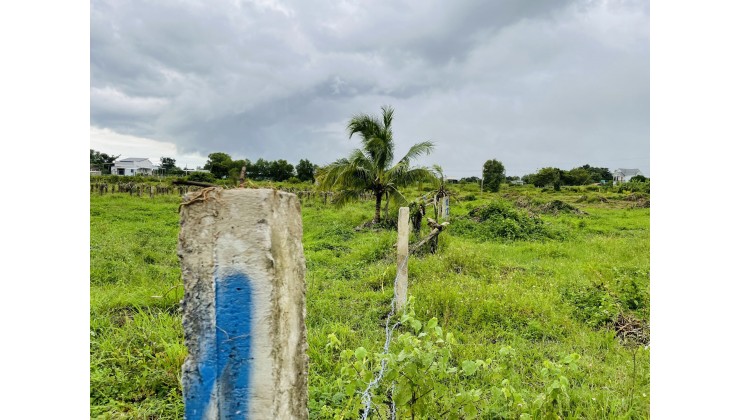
point(582, 175)
point(371, 168)
point(494, 174)
point(222, 165)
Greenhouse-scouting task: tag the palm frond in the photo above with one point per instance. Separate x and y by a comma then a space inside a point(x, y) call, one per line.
point(387, 116)
point(438, 175)
point(365, 125)
point(396, 196)
point(355, 172)
point(425, 147)
point(404, 176)
point(438, 171)
point(380, 148)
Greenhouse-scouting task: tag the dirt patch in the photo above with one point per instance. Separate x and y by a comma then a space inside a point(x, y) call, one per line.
point(631, 330)
point(507, 271)
point(639, 200)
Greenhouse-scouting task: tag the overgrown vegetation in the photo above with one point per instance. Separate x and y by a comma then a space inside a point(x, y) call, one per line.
point(522, 312)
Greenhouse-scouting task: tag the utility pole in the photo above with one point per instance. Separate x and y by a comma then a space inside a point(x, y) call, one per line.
point(482, 171)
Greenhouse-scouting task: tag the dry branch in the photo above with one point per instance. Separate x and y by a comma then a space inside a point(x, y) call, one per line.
point(197, 184)
point(436, 230)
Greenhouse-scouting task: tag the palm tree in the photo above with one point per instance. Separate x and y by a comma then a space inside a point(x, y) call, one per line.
point(370, 168)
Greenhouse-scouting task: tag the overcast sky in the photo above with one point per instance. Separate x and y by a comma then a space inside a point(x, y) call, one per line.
point(530, 83)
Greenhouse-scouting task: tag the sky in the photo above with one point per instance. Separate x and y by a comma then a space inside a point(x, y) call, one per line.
point(530, 83)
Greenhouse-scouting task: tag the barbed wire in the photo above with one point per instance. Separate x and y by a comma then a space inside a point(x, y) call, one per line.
point(367, 395)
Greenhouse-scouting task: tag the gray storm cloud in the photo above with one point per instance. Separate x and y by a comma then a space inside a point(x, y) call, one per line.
point(533, 84)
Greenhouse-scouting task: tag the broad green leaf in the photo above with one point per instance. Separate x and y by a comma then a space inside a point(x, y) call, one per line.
point(403, 395)
point(469, 367)
point(416, 325)
point(432, 323)
point(360, 353)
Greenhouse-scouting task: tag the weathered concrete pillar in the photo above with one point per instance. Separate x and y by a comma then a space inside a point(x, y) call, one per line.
point(445, 207)
point(402, 266)
point(244, 305)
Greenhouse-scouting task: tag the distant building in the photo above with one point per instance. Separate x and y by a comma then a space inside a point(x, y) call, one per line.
point(132, 166)
point(624, 175)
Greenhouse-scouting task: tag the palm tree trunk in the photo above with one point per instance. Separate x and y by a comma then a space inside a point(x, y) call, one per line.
point(378, 199)
point(387, 201)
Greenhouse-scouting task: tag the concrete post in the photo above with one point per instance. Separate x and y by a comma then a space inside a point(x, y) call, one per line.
point(244, 305)
point(402, 266)
point(445, 207)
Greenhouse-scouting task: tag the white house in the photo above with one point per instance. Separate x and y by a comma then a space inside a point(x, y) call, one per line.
point(624, 175)
point(132, 166)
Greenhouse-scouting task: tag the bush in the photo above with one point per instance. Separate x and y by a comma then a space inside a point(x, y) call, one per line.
point(201, 177)
point(500, 220)
point(593, 304)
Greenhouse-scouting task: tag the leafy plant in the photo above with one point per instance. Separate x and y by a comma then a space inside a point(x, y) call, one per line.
point(556, 401)
point(422, 378)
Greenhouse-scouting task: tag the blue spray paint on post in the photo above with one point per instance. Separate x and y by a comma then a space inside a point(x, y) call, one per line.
point(227, 361)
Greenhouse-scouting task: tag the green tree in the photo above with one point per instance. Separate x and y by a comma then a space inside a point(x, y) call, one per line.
point(305, 170)
point(371, 167)
point(280, 170)
point(219, 164)
point(598, 174)
point(548, 176)
point(101, 161)
point(236, 169)
point(167, 165)
point(201, 177)
point(493, 175)
point(260, 170)
point(578, 176)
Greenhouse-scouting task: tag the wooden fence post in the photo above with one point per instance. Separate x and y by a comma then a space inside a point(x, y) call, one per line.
point(244, 305)
point(402, 266)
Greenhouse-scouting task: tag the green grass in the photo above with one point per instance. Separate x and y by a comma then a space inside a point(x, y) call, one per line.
point(544, 296)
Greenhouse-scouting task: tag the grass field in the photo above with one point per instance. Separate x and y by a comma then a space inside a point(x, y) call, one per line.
point(540, 294)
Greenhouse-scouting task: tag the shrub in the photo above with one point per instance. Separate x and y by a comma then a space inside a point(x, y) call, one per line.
point(595, 304)
point(500, 220)
point(201, 177)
